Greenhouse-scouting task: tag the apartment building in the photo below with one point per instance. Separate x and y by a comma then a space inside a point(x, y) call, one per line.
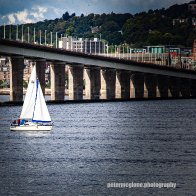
point(92, 46)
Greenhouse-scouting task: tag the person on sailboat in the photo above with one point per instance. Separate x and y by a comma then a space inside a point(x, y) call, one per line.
point(18, 121)
point(14, 122)
point(22, 122)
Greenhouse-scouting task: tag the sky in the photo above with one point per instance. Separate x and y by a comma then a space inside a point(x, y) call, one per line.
point(31, 11)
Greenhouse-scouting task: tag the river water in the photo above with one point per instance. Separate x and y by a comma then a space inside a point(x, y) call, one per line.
point(93, 144)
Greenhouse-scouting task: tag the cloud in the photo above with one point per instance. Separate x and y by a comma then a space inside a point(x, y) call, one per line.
point(57, 11)
point(27, 16)
point(11, 18)
point(38, 12)
point(153, 4)
point(20, 11)
point(23, 17)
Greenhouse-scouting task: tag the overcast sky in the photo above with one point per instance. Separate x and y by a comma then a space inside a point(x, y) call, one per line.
point(30, 11)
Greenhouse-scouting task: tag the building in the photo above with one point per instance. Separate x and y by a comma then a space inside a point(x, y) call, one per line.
point(194, 22)
point(172, 49)
point(155, 49)
point(92, 46)
point(47, 74)
point(4, 72)
point(179, 21)
point(95, 29)
point(192, 8)
point(27, 71)
point(194, 50)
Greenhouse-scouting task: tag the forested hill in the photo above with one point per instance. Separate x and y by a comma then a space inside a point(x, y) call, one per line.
point(174, 25)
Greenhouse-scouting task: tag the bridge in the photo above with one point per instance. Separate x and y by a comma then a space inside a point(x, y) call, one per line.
point(105, 77)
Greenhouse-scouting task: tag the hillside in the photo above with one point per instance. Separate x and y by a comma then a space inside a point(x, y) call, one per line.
point(174, 25)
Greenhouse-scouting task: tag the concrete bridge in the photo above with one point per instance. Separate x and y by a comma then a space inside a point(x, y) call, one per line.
point(105, 77)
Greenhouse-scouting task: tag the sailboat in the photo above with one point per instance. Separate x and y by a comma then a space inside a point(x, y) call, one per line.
point(35, 115)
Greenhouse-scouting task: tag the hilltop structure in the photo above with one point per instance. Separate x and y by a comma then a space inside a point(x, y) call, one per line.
point(194, 50)
point(92, 46)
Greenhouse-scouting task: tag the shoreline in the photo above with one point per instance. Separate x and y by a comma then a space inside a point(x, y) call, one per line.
point(49, 102)
point(6, 91)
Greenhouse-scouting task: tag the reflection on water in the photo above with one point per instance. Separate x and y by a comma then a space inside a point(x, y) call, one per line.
point(4, 98)
point(35, 134)
point(93, 144)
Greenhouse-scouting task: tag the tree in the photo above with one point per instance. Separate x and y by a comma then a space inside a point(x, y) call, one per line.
point(167, 39)
point(134, 31)
point(66, 16)
point(70, 30)
point(1, 82)
point(190, 39)
point(73, 15)
point(113, 37)
point(155, 38)
point(110, 26)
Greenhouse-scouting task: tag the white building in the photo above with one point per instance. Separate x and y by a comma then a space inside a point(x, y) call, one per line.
point(4, 70)
point(93, 46)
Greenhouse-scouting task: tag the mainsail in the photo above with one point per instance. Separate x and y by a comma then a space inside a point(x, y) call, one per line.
point(34, 107)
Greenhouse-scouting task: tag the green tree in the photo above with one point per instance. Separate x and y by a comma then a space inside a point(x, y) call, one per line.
point(66, 16)
point(134, 31)
point(70, 30)
point(155, 38)
point(110, 26)
point(167, 39)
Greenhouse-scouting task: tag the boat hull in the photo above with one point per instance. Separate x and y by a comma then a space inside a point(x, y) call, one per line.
point(31, 128)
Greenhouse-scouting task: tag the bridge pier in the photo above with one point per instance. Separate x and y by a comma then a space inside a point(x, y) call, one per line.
point(193, 88)
point(108, 81)
point(150, 84)
point(163, 85)
point(137, 85)
point(122, 84)
point(174, 86)
point(185, 87)
point(40, 69)
point(16, 78)
point(92, 82)
point(75, 82)
point(57, 81)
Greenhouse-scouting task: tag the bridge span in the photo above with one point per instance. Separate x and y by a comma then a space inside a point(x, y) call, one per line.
point(105, 77)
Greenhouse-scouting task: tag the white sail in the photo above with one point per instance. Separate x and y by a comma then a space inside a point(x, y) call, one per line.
point(41, 113)
point(34, 107)
point(29, 102)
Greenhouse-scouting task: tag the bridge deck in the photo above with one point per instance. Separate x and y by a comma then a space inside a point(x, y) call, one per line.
point(33, 51)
